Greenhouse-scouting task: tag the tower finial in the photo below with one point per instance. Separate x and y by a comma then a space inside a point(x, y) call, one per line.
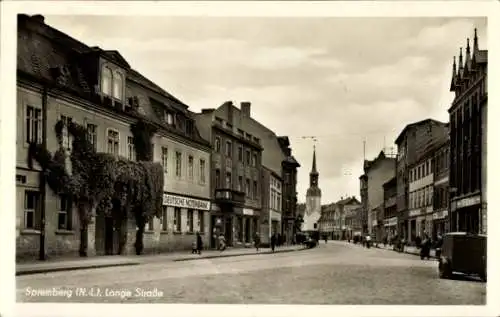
point(476, 44)
point(460, 60)
point(454, 66)
point(314, 170)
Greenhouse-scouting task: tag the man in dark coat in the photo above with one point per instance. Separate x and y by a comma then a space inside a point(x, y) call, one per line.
point(256, 241)
point(199, 243)
point(273, 242)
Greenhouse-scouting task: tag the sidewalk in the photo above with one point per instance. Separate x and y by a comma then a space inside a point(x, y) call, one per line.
point(117, 260)
point(408, 249)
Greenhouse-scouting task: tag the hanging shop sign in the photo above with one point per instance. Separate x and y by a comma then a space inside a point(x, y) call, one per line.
point(185, 202)
point(248, 212)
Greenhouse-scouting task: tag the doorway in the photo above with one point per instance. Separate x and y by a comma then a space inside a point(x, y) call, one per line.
point(228, 232)
point(109, 236)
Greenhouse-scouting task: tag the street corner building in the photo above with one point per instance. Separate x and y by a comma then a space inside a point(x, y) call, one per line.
point(251, 167)
point(60, 79)
point(340, 220)
point(468, 142)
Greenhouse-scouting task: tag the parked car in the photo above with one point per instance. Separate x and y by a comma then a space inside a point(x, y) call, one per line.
point(463, 253)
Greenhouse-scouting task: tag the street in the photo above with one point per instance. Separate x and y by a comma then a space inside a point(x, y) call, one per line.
point(334, 273)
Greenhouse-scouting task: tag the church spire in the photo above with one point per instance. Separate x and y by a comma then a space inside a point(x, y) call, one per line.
point(314, 170)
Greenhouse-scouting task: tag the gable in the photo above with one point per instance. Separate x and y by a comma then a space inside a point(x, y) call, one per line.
point(116, 57)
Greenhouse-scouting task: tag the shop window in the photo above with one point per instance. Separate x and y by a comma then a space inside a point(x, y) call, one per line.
point(190, 220)
point(177, 219)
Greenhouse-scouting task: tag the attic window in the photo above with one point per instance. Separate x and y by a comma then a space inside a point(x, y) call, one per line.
point(189, 127)
point(112, 83)
point(169, 117)
point(106, 80)
point(118, 86)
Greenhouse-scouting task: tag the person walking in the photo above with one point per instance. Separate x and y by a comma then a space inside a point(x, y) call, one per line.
point(273, 242)
point(256, 241)
point(199, 242)
point(222, 242)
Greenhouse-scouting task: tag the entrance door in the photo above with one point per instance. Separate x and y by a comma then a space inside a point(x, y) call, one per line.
point(109, 236)
point(229, 231)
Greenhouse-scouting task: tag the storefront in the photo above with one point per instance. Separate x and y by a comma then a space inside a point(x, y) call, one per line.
point(238, 226)
point(439, 223)
point(469, 215)
point(390, 226)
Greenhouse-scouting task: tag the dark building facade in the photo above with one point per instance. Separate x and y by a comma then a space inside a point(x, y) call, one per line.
point(289, 190)
point(236, 174)
point(440, 219)
point(363, 193)
point(468, 140)
point(413, 142)
point(390, 208)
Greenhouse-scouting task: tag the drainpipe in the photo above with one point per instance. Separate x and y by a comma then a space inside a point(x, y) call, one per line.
point(42, 253)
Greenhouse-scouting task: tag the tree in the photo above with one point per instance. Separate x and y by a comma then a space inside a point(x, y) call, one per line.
point(103, 183)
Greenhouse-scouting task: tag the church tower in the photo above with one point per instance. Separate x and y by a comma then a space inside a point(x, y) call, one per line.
point(313, 199)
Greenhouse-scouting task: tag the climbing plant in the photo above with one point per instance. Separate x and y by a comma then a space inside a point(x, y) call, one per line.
point(101, 182)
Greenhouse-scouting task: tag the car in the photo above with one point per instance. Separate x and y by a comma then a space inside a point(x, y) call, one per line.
point(464, 253)
point(311, 243)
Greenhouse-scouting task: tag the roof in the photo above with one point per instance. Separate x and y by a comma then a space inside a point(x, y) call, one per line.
point(412, 125)
point(390, 182)
point(482, 56)
point(348, 201)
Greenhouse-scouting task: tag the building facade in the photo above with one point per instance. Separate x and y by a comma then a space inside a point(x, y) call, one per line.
point(326, 221)
point(377, 171)
point(390, 221)
point(363, 192)
point(440, 217)
point(345, 209)
point(236, 174)
point(289, 191)
point(62, 79)
point(412, 143)
point(313, 200)
point(353, 222)
point(468, 114)
point(272, 203)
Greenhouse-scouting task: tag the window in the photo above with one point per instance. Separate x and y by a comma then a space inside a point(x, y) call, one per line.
point(247, 187)
point(106, 80)
point(254, 159)
point(178, 164)
point(66, 138)
point(229, 149)
point(92, 135)
point(151, 224)
point(190, 220)
point(217, 144)
point(255, 189)
point(228, 180)
point(240, 183)
point(189, 127)
point(418, 173)
point(164, 220)
point(202, 171)
point(164, 159)
point(131, 148)
point(177, 219)
point(64, 213)
point(169, 117)
point(118, 86)
point(201, 221)
point(31, 209)
point(248, 157)
point(217, 178)
point(33, 125)
point(190, 167)
point(240, 153)
point(113, 142)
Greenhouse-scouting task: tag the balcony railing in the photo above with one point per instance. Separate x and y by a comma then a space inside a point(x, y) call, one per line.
point(229, 196)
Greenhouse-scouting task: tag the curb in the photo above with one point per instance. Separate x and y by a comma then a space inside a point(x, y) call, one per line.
point(407, 252)
point(72, 268)
point(233, 255)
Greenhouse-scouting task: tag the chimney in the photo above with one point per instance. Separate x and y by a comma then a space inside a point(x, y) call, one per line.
point(245, 108)
point(205, 111)
point(39, 18)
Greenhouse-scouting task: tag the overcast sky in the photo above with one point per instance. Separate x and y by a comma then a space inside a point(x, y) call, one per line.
point(343, 80)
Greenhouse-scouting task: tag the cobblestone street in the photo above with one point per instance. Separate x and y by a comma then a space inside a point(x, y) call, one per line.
point(333, 273)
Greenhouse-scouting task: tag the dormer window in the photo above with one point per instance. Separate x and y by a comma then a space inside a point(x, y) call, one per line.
point(189, 127)
point(118, 86)
point(107, 78)
point(169, 117)
point(112, 83)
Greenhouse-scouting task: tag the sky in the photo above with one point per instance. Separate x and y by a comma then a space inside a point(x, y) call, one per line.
point(342, 80)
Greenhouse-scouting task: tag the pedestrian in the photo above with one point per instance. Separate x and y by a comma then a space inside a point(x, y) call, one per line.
point(273, 242)
point(199, 242)
point(256, 241)
point(222, 242)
